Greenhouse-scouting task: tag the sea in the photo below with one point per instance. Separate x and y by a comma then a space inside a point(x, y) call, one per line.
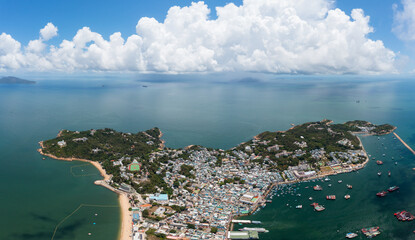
point(51, 199)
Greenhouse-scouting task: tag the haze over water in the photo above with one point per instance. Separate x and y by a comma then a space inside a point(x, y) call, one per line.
point(37, 194)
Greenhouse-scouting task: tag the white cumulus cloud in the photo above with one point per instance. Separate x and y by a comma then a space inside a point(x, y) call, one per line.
point(48, 32)
point(404, 20)
point(277, 36)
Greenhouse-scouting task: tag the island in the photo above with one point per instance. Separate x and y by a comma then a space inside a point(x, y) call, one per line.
point(197, 192)
point(14, 80)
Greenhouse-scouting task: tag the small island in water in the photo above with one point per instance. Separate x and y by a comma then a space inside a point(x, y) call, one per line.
point(198, 191)
point(15, 80)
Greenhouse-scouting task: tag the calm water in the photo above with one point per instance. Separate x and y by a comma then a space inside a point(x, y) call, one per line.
point(38, 194)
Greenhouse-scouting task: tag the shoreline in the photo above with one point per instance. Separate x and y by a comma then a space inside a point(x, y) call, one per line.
point(126, 218)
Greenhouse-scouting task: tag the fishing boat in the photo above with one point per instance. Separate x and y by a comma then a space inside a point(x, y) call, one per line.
point(317, 188)
point(319, 208)
point(351, 235)
point(404, 216)
point(371, 232)
point(393, 188)
point(331, 197)
point(381, 194)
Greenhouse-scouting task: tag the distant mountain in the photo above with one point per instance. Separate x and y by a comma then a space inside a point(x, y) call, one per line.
point(15, 80)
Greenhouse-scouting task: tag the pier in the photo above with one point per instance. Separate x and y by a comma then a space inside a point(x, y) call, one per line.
point(404, 143)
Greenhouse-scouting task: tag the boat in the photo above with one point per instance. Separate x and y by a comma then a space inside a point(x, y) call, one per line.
point(317, 188)
point(404, 216)
point(347, 196)
point(379, 173)
point(314, 204)
point(389, 173)
point(349, 186)
point(329, 185)
point(381, 194)
point(310, 198)
point(331, 197)
point(371, 232)
point(340, 181)
point(327, 179)
point(319, 208)
point(256, 222)
point(299, 206)
point(351, 235)
point(396, 163)
point(394, 188)
point(268, 201)
point(378, 162)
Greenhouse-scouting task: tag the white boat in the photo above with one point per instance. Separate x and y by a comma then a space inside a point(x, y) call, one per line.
point(351, 235)
point(299, 206)
point(340, 181)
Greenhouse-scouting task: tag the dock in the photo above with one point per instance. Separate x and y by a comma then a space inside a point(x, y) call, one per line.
point(404, 143)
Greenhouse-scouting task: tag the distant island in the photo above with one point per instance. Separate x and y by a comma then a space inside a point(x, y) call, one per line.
point(15, 80)
point(196, 192)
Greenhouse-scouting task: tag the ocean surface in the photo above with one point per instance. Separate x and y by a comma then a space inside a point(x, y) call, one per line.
point(51, 199)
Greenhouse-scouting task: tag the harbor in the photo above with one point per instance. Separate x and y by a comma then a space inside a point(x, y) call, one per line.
point(362, 209)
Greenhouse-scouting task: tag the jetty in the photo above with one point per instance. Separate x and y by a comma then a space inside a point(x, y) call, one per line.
point(404, 143)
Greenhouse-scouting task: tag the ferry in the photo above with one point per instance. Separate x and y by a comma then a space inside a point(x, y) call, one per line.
point(351, 235)
point(371, 232)
point(381, 194)
point(317, 188)
point(347, 197)
point(331, 197)
point(394, 188)
point(378, 162)
point(349, 186)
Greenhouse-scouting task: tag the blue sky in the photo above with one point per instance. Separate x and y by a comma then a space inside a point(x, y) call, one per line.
point(22, 20)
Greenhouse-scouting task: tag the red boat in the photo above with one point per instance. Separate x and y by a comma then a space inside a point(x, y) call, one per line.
point(378, 162)
point(381, 194)
point(404, 216)
point(394, 188)
point(331, 197)
point(314, 204)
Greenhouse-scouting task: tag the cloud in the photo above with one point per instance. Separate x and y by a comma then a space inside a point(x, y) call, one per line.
point(284, 36)
point(48, 32)
point(404, 20)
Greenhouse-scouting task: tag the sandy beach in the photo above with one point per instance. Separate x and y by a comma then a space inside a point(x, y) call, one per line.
point(126, 218)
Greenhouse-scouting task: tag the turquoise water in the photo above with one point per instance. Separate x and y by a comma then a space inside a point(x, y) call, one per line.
point(37, 194)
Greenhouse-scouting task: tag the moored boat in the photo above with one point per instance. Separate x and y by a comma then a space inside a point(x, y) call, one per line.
point(319, 208)
point(393, 188)
point(299, 206)
point(317, 188)
point(371, 232)
point(331, 197)
point(378, 162)
point(404, 216)
point(351, 235)
point(347, 196)
point(379, 173)
point(381, 194)
point(349, 186)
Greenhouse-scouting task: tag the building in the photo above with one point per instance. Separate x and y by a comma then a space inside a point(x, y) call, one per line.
point(62, 143)
point(159, 197)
